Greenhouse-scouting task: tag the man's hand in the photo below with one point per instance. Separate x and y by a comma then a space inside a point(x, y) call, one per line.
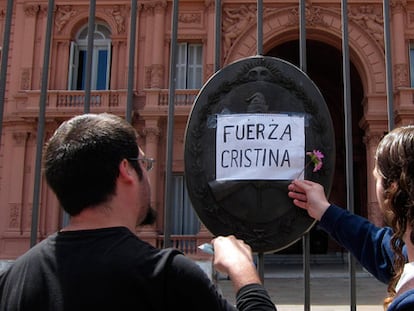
point(234, 258)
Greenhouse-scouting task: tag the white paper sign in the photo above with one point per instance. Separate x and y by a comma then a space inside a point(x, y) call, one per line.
point(259, 146)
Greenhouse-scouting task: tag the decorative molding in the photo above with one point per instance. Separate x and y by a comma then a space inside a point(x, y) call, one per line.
point(118, 14)
point(147, 76)
point(401, 75)
point(398, 5)
point(369, 17)
point(14, 215)
point(410, 19)
point(140, 7)
point(31, 10)
point(148, 8)
point(209, 5)
point(151, 131)
point(32, 139)
point(63, 43)
point(25, 79)
point(118, 43)
point(151, 134)
point(236, 21)
point(160, 6)
point(157, 74)
point(179, 138)
point(43, 10)
point(63, 14)
point(313, 16)
point(19, 138)
point(190, 18)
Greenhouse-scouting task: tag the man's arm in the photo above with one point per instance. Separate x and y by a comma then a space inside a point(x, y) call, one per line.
point(234, 258)
point(189, 288)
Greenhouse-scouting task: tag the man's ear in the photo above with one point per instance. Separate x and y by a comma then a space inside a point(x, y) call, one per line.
point(125, 170)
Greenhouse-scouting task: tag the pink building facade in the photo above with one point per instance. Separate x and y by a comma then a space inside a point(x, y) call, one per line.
point(195, 64)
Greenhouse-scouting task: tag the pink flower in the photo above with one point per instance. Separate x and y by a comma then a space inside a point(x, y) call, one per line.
point(316, 157)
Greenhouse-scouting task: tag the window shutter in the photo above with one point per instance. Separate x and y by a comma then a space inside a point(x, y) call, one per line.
point(411, 56)
point(194, 80)
point(181, 66)
point(73, 65)
point(108, 65)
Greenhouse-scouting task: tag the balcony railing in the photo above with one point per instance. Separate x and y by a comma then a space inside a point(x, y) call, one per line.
point(72, 102)
point(63, 102)
point(185, 243)
point(182, 97)
point(157, 102)
point(96, 100)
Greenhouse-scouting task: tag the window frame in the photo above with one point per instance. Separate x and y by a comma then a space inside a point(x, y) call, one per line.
point(102, 42)
point(189, 74)
point(411, 60)
point(184, 218)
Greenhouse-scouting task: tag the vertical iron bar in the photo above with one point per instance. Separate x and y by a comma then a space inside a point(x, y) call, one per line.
point(131, 61)
point(217, 54)
point(259, 27)
point(260, 266)
point(260, 52)
point(306, 237)
point(302, 35)
point(388, 65)
point(170, 128)
point(41, 124)
point(88, 75)
point(4, 59)
point(306, 270)
point(348, 140)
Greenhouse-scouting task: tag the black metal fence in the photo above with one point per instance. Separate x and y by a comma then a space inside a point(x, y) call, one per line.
point(86, 100)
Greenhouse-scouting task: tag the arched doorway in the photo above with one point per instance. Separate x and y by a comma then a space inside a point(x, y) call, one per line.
point(324, 67)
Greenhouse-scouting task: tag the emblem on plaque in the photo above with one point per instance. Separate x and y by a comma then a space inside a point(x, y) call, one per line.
point(246, 139)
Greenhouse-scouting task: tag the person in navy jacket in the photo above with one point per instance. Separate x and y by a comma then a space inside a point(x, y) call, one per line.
point(386, 252)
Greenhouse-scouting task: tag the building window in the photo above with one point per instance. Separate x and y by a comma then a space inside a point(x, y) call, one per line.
point(101, 59)
point(412, 64)
point(184, 218)
point(189, 66)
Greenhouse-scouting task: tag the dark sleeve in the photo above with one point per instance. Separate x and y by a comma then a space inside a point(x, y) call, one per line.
point(191, 289)
point(403, 302)
point(254, 297)
point(2, 281)
point(368, 243)
point(194, 290)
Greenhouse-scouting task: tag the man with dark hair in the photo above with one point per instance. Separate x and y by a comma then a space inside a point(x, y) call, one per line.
point(98, 173)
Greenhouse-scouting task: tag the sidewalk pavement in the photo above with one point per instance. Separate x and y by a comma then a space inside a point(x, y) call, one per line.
point(329, 288)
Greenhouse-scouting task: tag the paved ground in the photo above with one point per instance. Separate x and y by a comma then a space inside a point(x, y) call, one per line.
point(329, 288)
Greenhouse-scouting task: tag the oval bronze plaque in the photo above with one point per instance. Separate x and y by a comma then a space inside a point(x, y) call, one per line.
point(232, 189)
